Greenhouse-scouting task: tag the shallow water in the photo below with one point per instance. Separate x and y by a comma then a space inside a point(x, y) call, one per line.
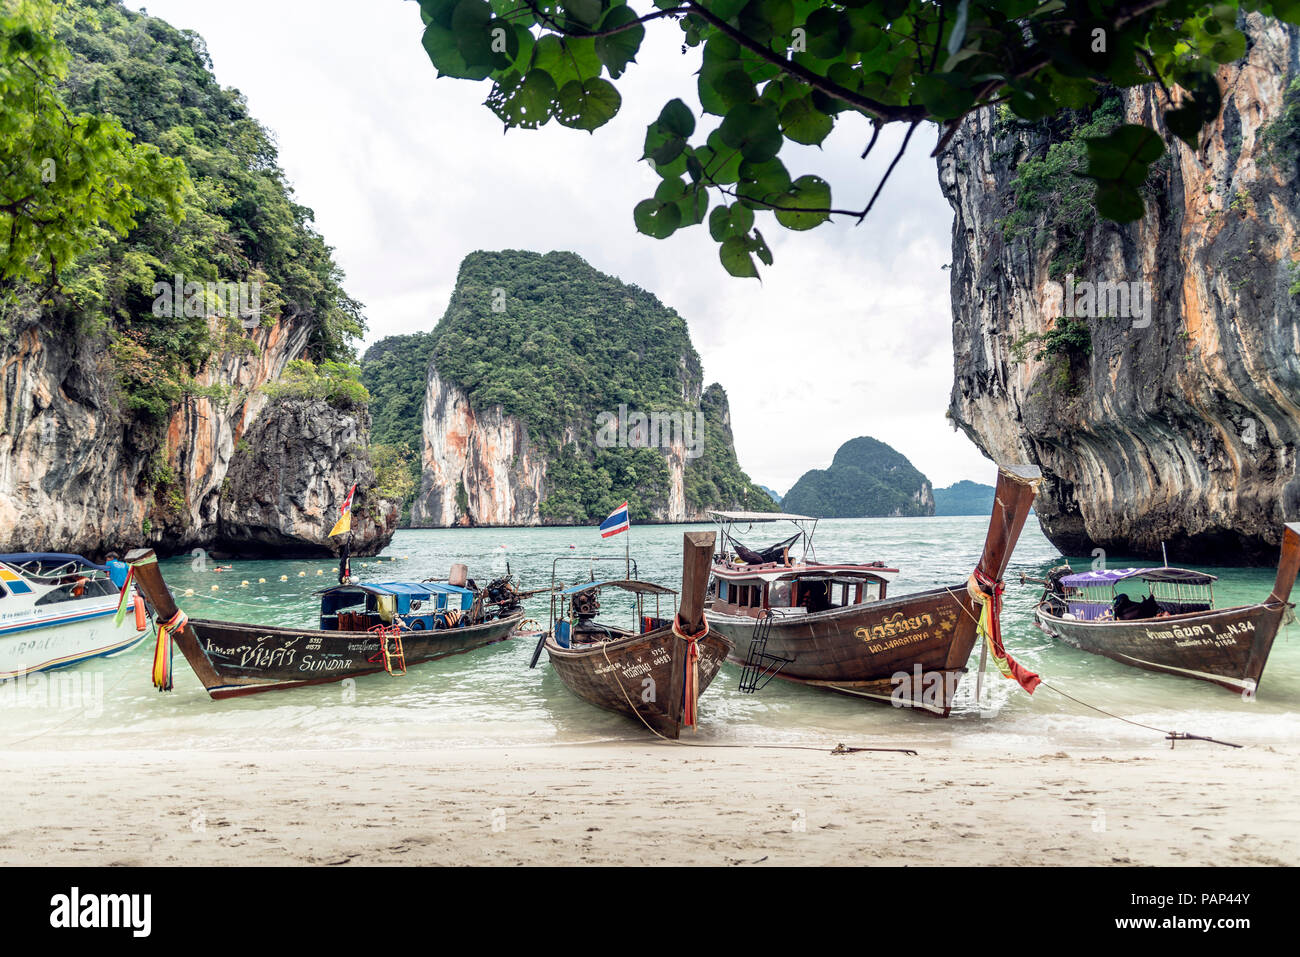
point(490, 697)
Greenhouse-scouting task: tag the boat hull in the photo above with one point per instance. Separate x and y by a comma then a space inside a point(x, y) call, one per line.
point(233, 659)
point(640, 676)
point(73, 636)
point(1228, 647)
point(909, 651)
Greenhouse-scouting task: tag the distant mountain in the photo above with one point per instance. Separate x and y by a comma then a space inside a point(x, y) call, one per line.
point(964, 498)
point(776, 496)
point(866, 479)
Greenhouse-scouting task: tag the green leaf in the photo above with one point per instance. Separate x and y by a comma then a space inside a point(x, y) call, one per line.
point(811, 197)
point(736, 258)
point(1124, 155)
point(443, 48)
point(735, 220)
point(585, 12)
point(523, 103)
point(1120, 202)
point(617, 50)
point(676, 117)
point(802, 122)
point(655, 219)
point(754, 129)
point(945, 95)
point(587, 105)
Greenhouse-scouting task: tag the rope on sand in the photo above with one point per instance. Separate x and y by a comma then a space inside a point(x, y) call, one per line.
point(838, 749)
point(1171, 736)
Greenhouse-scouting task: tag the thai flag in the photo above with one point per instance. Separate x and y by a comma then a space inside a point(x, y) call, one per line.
point(617, 522)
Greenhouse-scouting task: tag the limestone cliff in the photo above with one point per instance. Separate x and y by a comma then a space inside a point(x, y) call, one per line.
point(288, 478)
point(554, 392)
point(127, 385)
point(479, 468)
point(78, 474)
point(1179, 426)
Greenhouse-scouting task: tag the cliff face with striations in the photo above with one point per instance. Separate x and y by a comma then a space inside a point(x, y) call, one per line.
point(77, 475)
point(554, 392)
point(479, 467)
point(283, 491)
point(72, 476)
point(1183, 428)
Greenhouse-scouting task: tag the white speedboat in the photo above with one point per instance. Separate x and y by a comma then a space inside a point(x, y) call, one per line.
point(57, 610)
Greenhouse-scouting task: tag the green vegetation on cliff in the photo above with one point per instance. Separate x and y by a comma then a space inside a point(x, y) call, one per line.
point(867, 478)
point(230, 218)
point(557, 343)
point(1052, 204)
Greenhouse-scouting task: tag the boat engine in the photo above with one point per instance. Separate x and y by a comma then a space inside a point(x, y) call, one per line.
point(585, 608)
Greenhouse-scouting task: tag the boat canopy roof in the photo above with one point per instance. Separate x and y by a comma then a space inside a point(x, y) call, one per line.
point(21, 558)
point(762, 517)
point(627, 584)
point(418, 590)
point(1113, 576)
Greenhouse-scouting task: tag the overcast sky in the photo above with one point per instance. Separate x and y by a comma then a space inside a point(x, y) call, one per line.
point(848, 334)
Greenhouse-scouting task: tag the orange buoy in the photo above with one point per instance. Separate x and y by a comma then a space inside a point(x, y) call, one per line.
point(139, 613)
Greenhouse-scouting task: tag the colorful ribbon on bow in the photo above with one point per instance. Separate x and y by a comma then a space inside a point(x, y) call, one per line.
point(691, 686)
point(162, 653)
point(988, 593)
point(122, 598)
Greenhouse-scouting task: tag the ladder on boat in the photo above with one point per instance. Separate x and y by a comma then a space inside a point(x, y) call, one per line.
point(760, 667)
point(390, 648)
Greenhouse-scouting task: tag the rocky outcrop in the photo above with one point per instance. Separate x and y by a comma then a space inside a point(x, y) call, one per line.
point(78, 473)
point(479, 467)
point(866, 479)
point(290, 475)
point(1183, 429)
point(553, 392)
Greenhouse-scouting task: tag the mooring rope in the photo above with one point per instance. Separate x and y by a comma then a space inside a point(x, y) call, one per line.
point(838, 749)
point(1170, 736)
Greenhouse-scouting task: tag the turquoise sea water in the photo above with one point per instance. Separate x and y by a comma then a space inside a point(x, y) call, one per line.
point(490, 697)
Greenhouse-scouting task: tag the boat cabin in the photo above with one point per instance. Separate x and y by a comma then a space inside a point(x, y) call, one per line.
point(1131, 594)
point(574, 610)
point(50, 578)
point(422, 606)
point(753, 582)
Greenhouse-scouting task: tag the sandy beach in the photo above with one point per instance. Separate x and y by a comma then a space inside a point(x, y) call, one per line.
point(651, 804)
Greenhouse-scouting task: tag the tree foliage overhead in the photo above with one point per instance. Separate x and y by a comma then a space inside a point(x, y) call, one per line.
point(776, 72)
point(867, 478)
point(65, 175)
point(160, 172)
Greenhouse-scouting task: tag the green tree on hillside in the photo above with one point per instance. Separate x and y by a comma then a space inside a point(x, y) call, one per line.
point(160, 172)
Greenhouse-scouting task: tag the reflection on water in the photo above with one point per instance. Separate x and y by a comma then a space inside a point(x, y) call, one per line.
point(490, 697)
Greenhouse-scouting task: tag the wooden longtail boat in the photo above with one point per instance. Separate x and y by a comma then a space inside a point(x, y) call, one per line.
point(364, 628)
point(653, 673)
point(1175, 628)
point(833, 625)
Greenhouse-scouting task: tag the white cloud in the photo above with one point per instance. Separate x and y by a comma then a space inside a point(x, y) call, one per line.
point(849, 333)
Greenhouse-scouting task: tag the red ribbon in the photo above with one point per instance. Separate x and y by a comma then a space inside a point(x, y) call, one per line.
point(1026, 678)
point(691, 686)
